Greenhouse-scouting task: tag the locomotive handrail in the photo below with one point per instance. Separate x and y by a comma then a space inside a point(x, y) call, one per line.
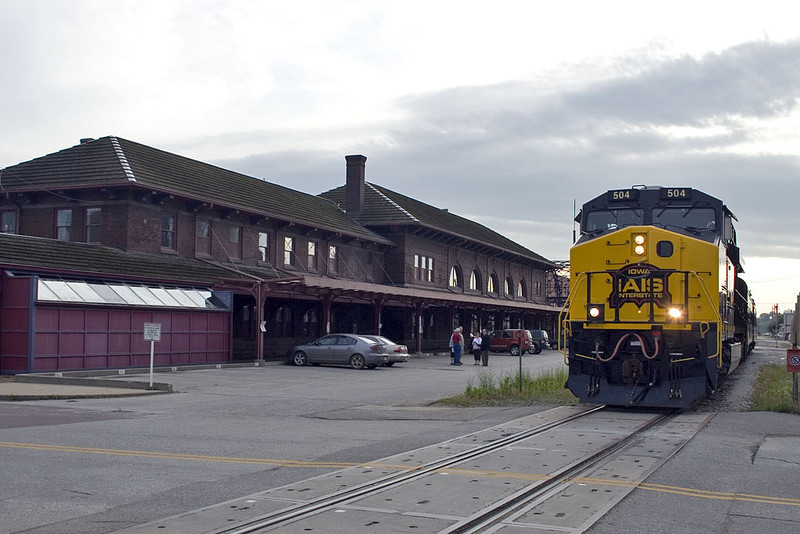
point(717, 317)
point(565, 310)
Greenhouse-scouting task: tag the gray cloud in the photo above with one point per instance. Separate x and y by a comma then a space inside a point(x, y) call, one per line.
point(525, 151)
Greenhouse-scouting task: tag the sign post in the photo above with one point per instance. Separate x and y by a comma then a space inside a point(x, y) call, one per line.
point(793, 354)
point(152, 333)
point(793, 366)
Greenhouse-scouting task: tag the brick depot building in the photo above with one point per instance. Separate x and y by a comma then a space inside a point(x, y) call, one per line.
point(103, 237)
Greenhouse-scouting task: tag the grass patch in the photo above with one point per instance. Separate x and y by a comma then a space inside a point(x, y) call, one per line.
point(772, 391)
point(490, 389)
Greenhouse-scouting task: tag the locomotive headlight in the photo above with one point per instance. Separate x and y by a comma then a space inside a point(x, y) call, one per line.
point(595, 313)
point(675, 313)
point(639, 241)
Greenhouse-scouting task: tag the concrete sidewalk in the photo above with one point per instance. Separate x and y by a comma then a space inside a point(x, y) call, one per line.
point(39, 387)
point(99, 383)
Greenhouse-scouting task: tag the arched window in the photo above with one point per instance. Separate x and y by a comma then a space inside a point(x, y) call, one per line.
point(455, 277)
point(522, 289)
point(311, 323)
point(492, 287)
point(509, 287)
point(474, 325)
point(475, 280)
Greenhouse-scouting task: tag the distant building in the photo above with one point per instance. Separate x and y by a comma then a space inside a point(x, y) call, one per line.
point(788, 325)
point(105, 236)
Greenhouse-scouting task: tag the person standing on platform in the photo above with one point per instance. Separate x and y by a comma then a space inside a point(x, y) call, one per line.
point(486, 344)
point(476, 348)
point(458, 346)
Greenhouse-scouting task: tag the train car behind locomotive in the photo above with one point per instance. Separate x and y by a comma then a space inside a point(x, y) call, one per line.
point(657, 314)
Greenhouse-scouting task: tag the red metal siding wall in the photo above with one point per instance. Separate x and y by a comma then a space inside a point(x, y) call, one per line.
point(69, 338)
point(15, 303)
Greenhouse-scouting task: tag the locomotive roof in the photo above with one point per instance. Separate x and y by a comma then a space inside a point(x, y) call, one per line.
point(652, 196)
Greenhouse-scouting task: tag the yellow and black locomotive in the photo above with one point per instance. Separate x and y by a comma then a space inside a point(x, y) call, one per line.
point(657, 313)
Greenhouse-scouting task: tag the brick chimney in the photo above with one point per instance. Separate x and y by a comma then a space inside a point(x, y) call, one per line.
point(356, 171)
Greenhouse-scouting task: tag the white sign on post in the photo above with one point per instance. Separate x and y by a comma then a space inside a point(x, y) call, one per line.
point(152, 333)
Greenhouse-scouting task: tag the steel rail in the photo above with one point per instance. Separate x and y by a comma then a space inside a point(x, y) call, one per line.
point(327, 501)
point(503, 509)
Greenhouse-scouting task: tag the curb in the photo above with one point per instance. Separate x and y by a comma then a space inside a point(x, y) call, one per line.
point(92, 382)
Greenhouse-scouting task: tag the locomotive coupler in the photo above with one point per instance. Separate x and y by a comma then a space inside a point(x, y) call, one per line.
point(632, 371)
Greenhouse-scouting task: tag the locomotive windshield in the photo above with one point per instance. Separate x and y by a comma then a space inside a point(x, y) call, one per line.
point(696, 220)
point(612, 219)
point(678, 209)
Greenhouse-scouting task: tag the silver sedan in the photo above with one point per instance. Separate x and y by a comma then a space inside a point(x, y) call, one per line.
point(341, 349)
point(397, 353)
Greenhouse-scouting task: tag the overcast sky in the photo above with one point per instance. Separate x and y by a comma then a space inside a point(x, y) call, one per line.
point(505, 112)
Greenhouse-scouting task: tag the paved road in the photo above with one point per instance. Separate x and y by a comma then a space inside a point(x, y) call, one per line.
point(99, 465)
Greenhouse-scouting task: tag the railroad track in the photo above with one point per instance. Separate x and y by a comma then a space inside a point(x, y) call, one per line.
point(515, 473)
point(500, 511)
point(263, 524)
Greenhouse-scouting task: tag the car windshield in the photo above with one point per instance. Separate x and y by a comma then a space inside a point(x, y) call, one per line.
point(611, 219)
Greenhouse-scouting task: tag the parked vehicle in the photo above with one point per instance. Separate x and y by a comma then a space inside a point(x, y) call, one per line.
point(541, 339)
point(341, 349)
point(513, 340)
point(397, 353)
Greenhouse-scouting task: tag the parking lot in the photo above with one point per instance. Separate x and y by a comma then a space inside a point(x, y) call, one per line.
point(99, 465)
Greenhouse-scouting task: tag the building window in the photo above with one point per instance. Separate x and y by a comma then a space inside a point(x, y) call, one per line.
point(283, 322)
point(263, 247)
point(423, 268)
point(333, 258)
point(475, 281)
point(8, 220)
point(509, 286)
point(288, 251)
point(94, 224)
point(168, 231)
point(312, 256)
point(64, 225)
point(235, 241)
point(455, 277)
point(311, 323)
point(492, 286)
point(522, 289)
point(203, 238)
point(539, 288)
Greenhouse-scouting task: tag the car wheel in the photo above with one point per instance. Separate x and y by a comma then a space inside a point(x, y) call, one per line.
point(357, 361)
point(514, 350)
point(300, 358)
point(536, 348)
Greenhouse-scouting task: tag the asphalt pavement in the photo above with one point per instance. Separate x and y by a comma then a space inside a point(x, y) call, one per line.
point(122, 453)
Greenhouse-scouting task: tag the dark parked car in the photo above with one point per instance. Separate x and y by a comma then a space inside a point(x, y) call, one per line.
point(513, 340)
point(541, 339)
point(341, 349)
point(397, 353)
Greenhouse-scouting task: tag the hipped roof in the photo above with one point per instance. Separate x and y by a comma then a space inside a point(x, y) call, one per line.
point(384, 207)
point(116, 162)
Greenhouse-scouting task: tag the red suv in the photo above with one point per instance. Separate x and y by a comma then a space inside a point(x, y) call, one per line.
point(512, 340)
